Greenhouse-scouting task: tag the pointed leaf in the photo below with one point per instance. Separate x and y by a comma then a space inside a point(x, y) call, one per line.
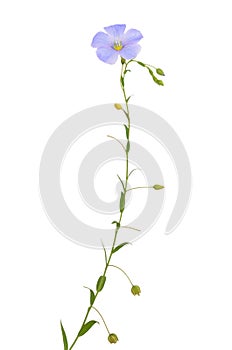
point(104, 252)
point(100, 283)
point(116, 222)
point(120, 246)
point(122, 202)
point(141, 63)
point(127, 131)
point(92, 295)
point(121, 181)
point(65, 341)
point(86, 327)
point(128, 98)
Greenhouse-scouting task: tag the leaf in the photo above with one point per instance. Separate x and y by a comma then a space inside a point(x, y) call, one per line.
point(104, 252)
point(86, 327)
point(65, 341)
point(122, 201)
point(128, 98)
point(121, 181)
point(133, 171)
point(92, 295)
point(127, 131)
point(116, 222)
point(141, 63)
point(120, 246)
point(128, 146)
point(100, 283)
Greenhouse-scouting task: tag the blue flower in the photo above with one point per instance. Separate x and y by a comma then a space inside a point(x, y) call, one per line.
point(116, 43)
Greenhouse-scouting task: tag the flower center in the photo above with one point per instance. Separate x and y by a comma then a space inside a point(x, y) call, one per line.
point(117, 45)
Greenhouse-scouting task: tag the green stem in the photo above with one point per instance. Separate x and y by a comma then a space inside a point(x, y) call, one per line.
point(101, 318)
point(127, 113)
point(135, 188)
point(124, 273)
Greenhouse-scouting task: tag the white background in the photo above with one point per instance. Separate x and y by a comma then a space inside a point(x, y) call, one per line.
point(48, 73)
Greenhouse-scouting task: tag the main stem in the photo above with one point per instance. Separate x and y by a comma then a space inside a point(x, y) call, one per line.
point(127, 112)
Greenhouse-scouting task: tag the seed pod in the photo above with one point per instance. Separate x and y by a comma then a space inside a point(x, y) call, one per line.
point(113, 338)
point(135, 290)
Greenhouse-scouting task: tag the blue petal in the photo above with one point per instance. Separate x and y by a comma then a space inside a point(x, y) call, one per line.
point(116, 31)
point(101, 40)
point(131, 37)
point(130, 51)
point(107, 54)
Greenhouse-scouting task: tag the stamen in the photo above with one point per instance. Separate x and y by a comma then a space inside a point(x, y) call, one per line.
point(117, 45)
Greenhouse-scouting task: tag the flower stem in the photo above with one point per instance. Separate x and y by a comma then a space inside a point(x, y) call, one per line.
point(127, 113)
point(123, 272)
point(101, 318)
point(135, 188)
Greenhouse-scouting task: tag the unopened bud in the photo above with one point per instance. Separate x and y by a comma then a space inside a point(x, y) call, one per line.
point(117, 106)
point(113, 338)
point(160, 71)
point(135, 290)
point(158, 187)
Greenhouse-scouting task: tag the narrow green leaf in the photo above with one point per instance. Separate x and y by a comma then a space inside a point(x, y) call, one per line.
point(100, 283)
point(92, 295)
point(121, 181)
point(65, 341)
point(104, 252)
point(128, 98)
point(120, 246)
point(128, 146)
point(116, 222)
point(127, 131)
point(122, 202)
point(160, 71)
point(86, 327)
point(133, 171)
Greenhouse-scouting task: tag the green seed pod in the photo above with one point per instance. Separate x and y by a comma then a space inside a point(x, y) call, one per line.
point(113, 338)
point(135, 290)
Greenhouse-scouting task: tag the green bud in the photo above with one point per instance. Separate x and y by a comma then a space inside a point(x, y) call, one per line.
point(135, 290)
point(113, 338)
point(160, 72)
point(123, 60)
point(160, 82)
point(158, 187)
point(117, 106)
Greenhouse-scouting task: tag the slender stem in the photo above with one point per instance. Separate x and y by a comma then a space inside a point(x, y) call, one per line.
point(127, 113)
point(124, 273)
point(135, 188)
point(112, 137)
point(101, 318)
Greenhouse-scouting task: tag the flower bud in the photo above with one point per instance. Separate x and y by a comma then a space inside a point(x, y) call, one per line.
point(117, 106)
point(113, 338)
point(160, 71)
point(158, 187)
point(135, 290)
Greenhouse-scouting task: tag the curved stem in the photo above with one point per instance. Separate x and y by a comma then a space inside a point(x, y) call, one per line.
point(124, 273)
point(135, 188)
point(101, 318)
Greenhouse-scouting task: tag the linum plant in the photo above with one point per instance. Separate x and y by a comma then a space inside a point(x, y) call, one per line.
point(110, 45)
